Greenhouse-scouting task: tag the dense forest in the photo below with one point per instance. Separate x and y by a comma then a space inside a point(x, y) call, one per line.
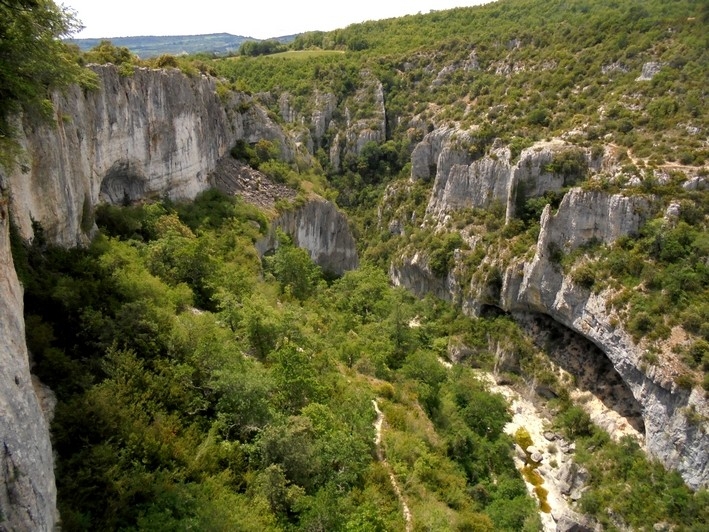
point(203, 387)
point(196, 393)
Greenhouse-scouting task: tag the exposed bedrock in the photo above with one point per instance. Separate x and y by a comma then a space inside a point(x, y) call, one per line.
point(27, 488)
point(462, 181)
point(319, 227)
point(150, 134)
point(540, 286)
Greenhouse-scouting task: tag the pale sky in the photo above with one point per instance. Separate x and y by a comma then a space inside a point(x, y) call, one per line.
point(260, 19)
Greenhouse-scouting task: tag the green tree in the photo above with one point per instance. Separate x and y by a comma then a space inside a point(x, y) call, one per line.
point(107, 52)
point(33, 61)
point(294, 270)
point(295, 377)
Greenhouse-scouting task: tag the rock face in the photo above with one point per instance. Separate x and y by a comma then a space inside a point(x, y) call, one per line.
point(587, 216)
point(415, 274)
point(540, 286)
point(321, 229)
point(316, 226)
point(583, 216)
point(649, 71)
point(325, 106)
point(462, 182)
point(27, 489)
point(154, 133)
point(357, 131)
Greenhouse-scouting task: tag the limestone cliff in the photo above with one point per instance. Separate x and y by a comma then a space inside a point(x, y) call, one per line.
point(463, 181)
point(582, 218)
point(153, 133)
point(321, 229)
point(27, 489)
point(539, 285)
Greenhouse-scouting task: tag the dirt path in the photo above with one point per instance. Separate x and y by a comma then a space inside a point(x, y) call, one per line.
point(392, 478)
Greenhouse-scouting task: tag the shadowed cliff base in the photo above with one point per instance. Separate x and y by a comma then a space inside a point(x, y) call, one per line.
point(578, 367)
point(124, 183)
point(576, 358)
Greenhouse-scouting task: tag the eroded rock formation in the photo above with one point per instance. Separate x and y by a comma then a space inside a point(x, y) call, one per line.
point(322, 229)
point(27, 488)
point(464, 181)
point(539, 285)
point(151, 134)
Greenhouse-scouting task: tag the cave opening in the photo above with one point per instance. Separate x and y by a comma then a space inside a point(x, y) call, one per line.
point(123, 184)
point(596, 381)
point(579, 365)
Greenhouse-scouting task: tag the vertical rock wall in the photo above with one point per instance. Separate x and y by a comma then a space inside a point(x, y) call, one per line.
point(320, 228)
point(151, 134)
point(27, 489)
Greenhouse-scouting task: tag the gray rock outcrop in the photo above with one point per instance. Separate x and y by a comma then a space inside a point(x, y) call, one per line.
point(540, 286)
point(154, 133)
point(319, 227)
point(574, 522)
point(592, 216)
point(649, 70)
point(584, 216)
point(461, 181)
point(365, 121)
point(27, 488)
point(325, 106)
point(414, 273)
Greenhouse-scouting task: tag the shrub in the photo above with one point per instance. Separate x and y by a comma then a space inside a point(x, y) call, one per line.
point(441, 257)
point(571, 164)
point(699, 353)
point(166, 61)
point(640, 324)
point(575, 422)
point(584, 275)
point(107, 52)
point(538, 117)
point(685, 381)
point(243, 152)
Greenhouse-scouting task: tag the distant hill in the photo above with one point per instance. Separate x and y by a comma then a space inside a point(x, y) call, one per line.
point(151, 46)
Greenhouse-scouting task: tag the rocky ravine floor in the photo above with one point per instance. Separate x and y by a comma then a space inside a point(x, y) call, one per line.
point(562, 478)
point(554, 455)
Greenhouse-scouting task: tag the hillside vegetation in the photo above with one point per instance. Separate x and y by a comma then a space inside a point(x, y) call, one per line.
point(201, 387)
point(197, 393)
point(523, 70)
point(622, 80)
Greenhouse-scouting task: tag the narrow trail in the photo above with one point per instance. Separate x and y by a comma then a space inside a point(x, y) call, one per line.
point(392, 478)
